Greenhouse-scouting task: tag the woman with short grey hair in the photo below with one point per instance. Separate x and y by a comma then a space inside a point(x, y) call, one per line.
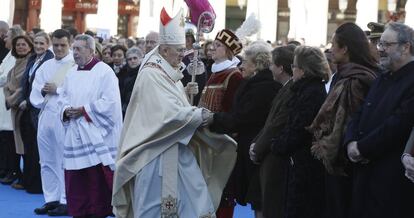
point(252, 103)
point(134, 57)
point(106, 54)
point(128, 74)
point(259, 53)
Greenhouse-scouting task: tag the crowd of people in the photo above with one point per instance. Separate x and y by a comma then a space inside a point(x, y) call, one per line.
point(150, 128)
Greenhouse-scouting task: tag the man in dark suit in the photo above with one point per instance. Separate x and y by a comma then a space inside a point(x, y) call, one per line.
point(376, 136)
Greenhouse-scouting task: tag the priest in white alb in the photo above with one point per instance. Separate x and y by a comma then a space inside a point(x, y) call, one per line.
point(168, 164)
point(91, 113)
point(45, 93)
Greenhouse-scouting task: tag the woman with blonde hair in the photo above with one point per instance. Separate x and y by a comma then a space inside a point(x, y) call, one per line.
point(29, 120)
point(303, 192)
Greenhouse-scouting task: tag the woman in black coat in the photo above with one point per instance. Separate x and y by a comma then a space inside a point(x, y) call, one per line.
point(303, 194)
point(250, 108)
point(128, 75)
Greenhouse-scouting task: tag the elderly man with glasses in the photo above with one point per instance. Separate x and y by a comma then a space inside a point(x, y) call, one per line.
point(157, 173)
point(376, 136)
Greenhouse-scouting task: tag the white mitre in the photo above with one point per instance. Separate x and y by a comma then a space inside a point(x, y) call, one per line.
point(172, 30)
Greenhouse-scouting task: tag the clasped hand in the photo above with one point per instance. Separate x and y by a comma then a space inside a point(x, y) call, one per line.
point(73, 113)
point(49, 88)
point(408, 162)
point(354, 154)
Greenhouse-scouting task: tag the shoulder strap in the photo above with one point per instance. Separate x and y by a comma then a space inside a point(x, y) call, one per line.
point(59, 76)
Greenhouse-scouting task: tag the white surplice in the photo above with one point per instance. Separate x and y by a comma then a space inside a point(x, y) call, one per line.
point(5, 116)
point(50, 132)
point(86, 143)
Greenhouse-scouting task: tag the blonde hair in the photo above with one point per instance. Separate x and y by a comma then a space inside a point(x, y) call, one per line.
point(44, 35)
point(313, 62)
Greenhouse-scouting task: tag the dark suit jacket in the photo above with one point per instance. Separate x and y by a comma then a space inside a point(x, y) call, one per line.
point(27, 84)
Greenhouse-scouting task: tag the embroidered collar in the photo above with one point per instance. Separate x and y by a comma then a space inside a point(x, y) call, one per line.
point(174, 74)
point(227, 64)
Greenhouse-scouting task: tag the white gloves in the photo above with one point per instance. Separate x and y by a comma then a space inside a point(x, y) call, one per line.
point(408, 162)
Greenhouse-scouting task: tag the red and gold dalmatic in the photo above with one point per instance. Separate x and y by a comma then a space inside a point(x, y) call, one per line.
point(219, 91)
point(217, 96)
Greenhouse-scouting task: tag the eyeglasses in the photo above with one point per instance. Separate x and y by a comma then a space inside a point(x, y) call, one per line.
point(179, 49)
point(385, 44)
point(132, 58)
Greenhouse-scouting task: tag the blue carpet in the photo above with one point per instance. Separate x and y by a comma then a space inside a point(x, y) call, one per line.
point(20, 204)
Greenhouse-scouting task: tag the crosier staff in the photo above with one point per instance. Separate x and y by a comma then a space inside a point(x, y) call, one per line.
point(202, 14)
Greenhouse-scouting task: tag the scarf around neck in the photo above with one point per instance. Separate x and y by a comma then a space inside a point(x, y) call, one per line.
point(227, 64)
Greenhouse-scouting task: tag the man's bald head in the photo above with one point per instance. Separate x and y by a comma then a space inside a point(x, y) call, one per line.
point(151, 41)
point(4, 27)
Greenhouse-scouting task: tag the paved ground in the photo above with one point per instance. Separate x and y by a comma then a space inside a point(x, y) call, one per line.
point(19, 204)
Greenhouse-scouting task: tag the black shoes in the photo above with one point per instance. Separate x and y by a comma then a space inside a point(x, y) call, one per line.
point(46, 207)
point(9, 178)
point(60, 210)
point(3, 173)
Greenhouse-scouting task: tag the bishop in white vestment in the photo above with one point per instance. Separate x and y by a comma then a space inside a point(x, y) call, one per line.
point(164, 166)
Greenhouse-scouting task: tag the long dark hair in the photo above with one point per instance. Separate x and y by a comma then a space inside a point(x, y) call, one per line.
point(351, 36)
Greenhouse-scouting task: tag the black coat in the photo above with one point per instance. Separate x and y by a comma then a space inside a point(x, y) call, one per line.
point(304, 196)
point(272, 167)
point(126, 79)
point(27, 83)
point(251, 105)
point(381, 129)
